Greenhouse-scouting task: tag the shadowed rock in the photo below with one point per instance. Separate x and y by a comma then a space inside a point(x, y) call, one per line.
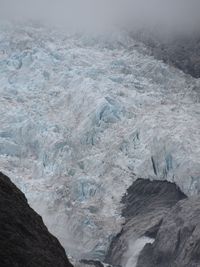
point(182, 52)
point(24, 239)
point(177, 243)
point(145, 205)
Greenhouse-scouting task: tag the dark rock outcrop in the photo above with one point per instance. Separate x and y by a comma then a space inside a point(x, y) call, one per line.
point(145, 196)
point(177, 243)
point(145, 205)
point(182, 51)
point(24, 239)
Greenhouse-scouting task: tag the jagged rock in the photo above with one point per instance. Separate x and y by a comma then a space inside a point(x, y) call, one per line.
point(177, 243)
point(24, 239)
point(182, 52)
point(145, 205)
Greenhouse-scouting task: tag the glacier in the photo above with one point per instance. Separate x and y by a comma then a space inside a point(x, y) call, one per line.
point(82, 116)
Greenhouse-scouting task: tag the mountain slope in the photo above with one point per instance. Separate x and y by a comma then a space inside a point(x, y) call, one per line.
point(145, 205)
point(24, 239)
point(178, 240)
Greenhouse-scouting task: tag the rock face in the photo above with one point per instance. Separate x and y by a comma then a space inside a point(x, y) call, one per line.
point(182, 52)
point(177, 243)
point(24, 239)
point(145, 205)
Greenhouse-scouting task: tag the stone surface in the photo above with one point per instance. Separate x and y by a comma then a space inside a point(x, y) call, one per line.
point(177, 243)
point(24, 239)
point(145, 205)
point(182, 51)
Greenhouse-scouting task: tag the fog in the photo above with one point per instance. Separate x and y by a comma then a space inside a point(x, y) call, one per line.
point(133, 14)
point(134, 248)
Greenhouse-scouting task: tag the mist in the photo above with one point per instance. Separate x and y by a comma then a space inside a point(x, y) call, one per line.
point(135, 246)
point(171, 15)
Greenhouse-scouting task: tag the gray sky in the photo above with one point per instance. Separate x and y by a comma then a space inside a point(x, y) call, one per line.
point(180, 14)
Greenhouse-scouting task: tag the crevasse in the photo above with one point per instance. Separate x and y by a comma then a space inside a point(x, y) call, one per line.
point(81, 118)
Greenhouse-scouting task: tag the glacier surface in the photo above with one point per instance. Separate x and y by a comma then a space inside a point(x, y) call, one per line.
point(82, 117)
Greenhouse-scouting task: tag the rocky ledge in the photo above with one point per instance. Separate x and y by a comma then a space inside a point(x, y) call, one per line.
point(145, 205)
point(177, 243)
point(182, 52)
point(161, 229)
point(24, 239)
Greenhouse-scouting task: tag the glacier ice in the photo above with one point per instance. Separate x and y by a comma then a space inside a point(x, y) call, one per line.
point(82, 117)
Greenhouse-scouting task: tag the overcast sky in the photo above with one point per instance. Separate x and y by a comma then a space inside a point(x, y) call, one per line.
point(173, 13)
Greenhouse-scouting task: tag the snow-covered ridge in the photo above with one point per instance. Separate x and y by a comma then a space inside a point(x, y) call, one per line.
point(81, 117)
